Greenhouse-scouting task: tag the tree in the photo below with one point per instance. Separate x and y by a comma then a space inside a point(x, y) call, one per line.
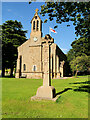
point(79, 52)
point(70, 55)
point(69, 11)
point(81, 47)
point(12, 37)
point(80, 63)
point(79, 14)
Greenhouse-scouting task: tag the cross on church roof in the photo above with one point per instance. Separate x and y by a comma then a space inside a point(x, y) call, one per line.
point(36, 10)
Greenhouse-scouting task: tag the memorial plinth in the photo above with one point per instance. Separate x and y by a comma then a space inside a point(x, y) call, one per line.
point(46, 91)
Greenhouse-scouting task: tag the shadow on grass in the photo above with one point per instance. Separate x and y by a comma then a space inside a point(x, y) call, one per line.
point(59, 93)
point(81, 88)
point(86, 82)
point(66, 89)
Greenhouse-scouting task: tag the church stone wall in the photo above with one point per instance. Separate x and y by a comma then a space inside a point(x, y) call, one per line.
point(31, 54)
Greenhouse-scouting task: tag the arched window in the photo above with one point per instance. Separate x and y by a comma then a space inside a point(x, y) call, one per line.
point(37, 25)
point(24, 67)
point(34, 67)
point(35, 17)
point(33, 25)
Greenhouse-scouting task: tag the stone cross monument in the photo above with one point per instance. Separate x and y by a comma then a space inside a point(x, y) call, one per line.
point(46, 79)
point(46, 91)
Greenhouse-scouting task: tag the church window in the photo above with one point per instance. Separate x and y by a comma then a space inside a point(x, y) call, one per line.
point(35, 17)
point(37, 24)
point(34, 67)
point(24, 66)
point(33, 25)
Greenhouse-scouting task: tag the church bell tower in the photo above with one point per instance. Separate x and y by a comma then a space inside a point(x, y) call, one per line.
point(36, 26)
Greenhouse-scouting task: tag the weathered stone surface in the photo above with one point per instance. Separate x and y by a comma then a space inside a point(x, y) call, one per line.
point(31, 53)
point(43, 98)
point(46, 92)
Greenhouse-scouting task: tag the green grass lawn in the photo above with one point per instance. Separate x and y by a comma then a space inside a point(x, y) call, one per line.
point(73, 103)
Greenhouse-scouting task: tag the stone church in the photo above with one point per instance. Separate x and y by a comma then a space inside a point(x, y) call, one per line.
point(30, 54)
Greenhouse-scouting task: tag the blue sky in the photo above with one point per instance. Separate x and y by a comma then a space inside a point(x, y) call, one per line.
point(23, 12)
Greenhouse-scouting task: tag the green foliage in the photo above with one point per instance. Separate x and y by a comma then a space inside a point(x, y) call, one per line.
point(73, 101)
point(70, 11)
point(79, 13)
point(12, 33)
point(80, 63)
point(79, 55)
point(45, 21)
point(70, 55)
point(81, 46)
point(12, 37)
point(55, 26)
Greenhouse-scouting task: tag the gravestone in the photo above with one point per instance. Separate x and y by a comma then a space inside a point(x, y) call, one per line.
point(46, 91)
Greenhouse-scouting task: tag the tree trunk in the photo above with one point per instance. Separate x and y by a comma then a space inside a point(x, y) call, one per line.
point(73, 73)
point(76, 74)
point(11, 73)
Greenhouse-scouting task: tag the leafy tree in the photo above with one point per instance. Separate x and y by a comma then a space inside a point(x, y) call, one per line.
point(69, 11)
point(12, 37)
point(81, 47)
point(79, 54)
point(70, 55)
point(80, 63)
point(79, 14)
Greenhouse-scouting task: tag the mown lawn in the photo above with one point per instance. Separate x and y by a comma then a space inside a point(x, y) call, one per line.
point(73, 102)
